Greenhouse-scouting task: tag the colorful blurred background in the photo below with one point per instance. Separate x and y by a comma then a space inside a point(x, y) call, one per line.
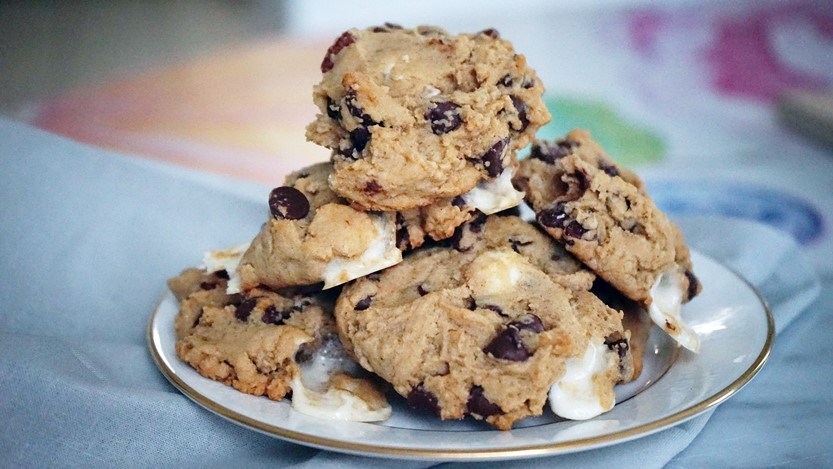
point(692, 94)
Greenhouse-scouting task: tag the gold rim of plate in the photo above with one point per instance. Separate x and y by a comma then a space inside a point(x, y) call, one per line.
point(530, 451)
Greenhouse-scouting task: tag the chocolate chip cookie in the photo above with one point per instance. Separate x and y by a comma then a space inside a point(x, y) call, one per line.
point(261, 342)
point(415, 116)
point(481, 329)
point(315, 237)
point(603, 215)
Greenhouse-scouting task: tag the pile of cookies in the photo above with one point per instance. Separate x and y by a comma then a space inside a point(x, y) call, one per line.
point(403, 262)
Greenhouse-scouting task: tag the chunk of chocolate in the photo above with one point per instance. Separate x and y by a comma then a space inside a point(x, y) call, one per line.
point(245, 309)
point(522, 109)
point(421, 399)
point(288, 203)
point(363, 304)
point(507, 345)
point(479, 406)
point(444, 117)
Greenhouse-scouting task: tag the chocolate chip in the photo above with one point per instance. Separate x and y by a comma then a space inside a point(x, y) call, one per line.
point(620, 346)
point(420, 399)
point(522, 109)
point(471, 304)
point(528, 322)
point(222, 274)
point(506, 81)
point(245, 309)
point(422, 291)
point(444, 117)
point(458, 202)
point(459, 236)
point(507, 345)
point(517, 244)
point(372, 187)
point(609, 169)
point(553, 217)
point(271, 315)
point(288, 203)
point(343, 41)
point(352, 103)
point(457, 239)
point(386, 28)
point(693, 284)
point(333, 110)
point(581, 181)
point(359, 138)
point(478, 405)
point(497, 309)
point(304, 353)
point(208, 285)
point(527, 84)
point(363, 304)
point(550, 152)
point(574, 230)
point(492, 159)
point(476, 225)
point(491, 32)
point(403, 237)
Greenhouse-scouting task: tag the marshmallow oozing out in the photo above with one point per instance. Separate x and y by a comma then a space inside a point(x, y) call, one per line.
point(228, 260)
point(574, 396)
point(666, 306)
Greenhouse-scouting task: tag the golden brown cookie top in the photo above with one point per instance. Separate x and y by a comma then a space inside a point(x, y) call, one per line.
point(418, 115)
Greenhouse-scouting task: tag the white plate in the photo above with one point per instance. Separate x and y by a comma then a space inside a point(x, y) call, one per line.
point(736, 332)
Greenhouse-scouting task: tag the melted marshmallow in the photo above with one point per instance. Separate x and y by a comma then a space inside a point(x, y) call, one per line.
point(495, 195)
point(336, 404)
point(228, 260)
point(381, 253)
point(328, 359)
point(574, 396)
point(312, 396)
point(666, 305)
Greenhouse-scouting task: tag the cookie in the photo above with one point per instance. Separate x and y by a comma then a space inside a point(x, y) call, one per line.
point(315, 237)
point(530, 242)
point(603, 215)
point(480, 329)
point(439, 220)
point(263, 343)
point(415, 116)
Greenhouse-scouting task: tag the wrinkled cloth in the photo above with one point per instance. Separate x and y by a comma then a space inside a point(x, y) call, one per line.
point(89, 238)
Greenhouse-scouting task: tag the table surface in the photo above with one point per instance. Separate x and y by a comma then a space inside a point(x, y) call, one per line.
point(685, 95)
